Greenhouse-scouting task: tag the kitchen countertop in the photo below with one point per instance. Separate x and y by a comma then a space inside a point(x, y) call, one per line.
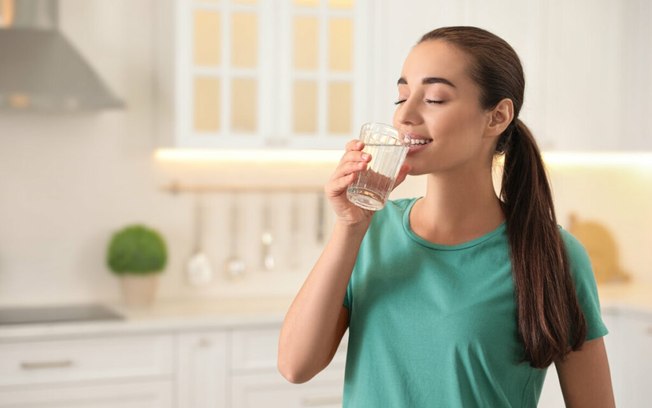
point(164, 316)
point(208, 314)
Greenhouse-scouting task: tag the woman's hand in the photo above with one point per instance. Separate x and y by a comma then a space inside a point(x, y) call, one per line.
point(353, 161)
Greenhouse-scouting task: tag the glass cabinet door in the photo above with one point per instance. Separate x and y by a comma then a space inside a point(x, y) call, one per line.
point(323, 71)
point(258, 73)
point(221, 72)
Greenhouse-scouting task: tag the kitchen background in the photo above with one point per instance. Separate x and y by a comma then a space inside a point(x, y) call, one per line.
point(69, 181)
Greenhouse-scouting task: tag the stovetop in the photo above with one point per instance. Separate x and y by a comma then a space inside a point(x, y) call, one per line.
point(57, 314)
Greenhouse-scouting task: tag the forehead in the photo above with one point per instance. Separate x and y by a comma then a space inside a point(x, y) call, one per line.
point(436, 58)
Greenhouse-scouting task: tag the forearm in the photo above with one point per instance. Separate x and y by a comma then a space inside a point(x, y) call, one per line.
point(310, 331)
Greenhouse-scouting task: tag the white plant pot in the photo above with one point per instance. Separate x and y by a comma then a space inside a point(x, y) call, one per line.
point(139, 291)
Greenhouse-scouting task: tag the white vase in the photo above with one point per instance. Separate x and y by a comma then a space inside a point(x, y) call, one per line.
point(139, 290)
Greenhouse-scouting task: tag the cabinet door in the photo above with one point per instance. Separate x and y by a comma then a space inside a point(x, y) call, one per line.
point(634, 382)
point(584, 74)
point(256, 382)
point(270, 390)
point(202, 370)
point(523, 25)
point(242, 74)
point(135, 395)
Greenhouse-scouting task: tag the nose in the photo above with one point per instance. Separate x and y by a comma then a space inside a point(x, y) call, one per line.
point(407, 113)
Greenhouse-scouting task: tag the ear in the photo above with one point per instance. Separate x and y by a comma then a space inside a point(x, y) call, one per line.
point(500, 117)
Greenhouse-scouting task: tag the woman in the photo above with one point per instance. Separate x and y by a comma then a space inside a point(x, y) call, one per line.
point(460, 298)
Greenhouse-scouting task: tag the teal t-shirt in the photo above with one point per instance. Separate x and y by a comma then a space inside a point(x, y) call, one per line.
point(435, 326)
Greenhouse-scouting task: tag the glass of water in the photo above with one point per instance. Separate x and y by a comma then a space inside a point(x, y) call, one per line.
point(388, 149)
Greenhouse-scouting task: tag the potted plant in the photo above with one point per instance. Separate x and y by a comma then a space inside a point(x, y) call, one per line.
point(137, 255)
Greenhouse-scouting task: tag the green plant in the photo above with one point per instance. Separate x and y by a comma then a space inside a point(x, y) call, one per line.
point(136, 250)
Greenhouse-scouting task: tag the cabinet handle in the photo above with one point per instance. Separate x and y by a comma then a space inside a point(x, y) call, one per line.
point(39, 365)
point(321, 401)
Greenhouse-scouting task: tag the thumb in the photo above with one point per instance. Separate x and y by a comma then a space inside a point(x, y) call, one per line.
point(402, 174)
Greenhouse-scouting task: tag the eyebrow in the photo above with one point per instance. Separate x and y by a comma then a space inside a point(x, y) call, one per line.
point(428, 81)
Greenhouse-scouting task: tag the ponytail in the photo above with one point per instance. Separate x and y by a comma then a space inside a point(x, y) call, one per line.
point(550, 321)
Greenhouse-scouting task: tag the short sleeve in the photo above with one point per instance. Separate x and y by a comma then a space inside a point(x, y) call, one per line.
point(585, 286)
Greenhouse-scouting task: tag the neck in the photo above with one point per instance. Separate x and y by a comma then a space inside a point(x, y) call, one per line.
point(456, 209)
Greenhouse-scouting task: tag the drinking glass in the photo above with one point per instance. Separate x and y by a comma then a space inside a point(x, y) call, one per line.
point(388, 149)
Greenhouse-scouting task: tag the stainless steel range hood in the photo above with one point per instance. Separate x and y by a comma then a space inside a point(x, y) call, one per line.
point(40, 70)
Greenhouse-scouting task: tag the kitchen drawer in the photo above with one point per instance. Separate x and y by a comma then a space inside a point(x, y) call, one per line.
point(270, 390)
point(66, 360)
point(257, 349)
point(141, 394)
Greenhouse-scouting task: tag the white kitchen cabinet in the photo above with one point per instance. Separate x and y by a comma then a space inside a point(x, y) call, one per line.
point(632, 336)
point(270, 390)
point(88, 358)
point(256, 382)
point(586, 62)
point(134, 394)
point(88, 372)
point(243, 74)
point(237, 368)
point(202, 366)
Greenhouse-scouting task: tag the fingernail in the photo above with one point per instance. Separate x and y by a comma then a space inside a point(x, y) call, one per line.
point(365, 156)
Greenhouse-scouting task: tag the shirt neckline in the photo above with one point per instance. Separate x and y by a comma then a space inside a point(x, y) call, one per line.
point(440, 247)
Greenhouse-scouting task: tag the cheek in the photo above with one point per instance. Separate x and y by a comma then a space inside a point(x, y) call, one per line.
point(457, 122)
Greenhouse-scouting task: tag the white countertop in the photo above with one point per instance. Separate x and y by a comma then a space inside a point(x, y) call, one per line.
point(207, 313)
point(164, 316)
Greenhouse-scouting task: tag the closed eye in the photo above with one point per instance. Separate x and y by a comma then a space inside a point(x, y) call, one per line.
point(434, 101)
point(399, 101)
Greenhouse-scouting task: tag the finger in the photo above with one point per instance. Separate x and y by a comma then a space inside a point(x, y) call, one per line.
point(339, 185)
point(354, 145)
point(355, 156)
point(346, 168)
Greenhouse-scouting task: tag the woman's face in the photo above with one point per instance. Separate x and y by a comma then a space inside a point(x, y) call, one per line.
point(438, 105)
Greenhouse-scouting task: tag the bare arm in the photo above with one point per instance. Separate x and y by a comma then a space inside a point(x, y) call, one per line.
point(317, 320)
point(584, 377)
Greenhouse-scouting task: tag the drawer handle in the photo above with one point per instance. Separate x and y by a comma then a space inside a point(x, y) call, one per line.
point(322, 401)
point(40, 365)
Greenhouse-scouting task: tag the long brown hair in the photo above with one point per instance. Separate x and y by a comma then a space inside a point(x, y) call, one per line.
point(550, 321)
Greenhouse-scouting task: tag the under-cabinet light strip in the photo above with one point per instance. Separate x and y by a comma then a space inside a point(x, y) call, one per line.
point(624, 159)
